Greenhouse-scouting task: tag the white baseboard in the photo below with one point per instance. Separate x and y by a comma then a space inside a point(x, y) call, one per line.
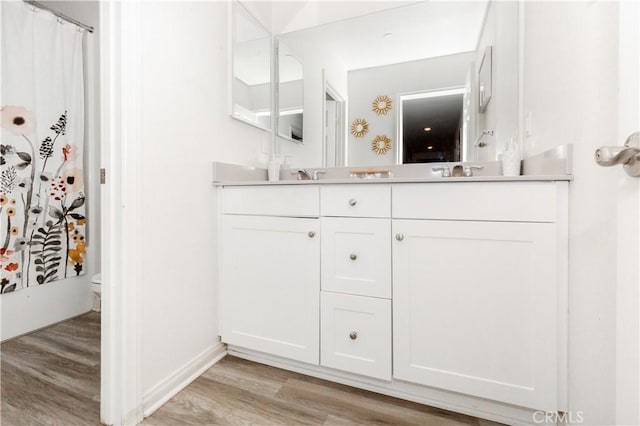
point(181, 378)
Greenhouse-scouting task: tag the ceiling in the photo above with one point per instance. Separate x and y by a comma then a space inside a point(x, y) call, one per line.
point(415, 31)
point(292, 15)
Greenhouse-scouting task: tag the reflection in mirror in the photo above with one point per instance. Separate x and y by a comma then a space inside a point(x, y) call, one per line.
point(333, 128)
point(290, 95)
point(421, 47)
point(484, 80)
point(430, 126)
point(405, 82)
point(251, 87)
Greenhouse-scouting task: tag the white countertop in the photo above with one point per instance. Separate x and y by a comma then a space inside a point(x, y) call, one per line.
point(528, 178)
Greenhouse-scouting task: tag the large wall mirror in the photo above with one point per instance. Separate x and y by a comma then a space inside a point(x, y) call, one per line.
point(251, 83)
point(423, 60)
point(290, 94)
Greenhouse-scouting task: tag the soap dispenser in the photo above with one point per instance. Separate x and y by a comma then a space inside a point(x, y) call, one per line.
point(511, 159)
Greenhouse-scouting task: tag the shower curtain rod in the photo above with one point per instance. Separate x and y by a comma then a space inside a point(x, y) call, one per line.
point(59, 15)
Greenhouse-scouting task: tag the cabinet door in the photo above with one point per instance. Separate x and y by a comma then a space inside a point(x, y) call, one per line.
point(356, 334)
point(270, 285)
point(356, 256)
point(475, 308)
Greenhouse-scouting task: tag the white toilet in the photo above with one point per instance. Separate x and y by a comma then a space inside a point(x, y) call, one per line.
point(96, 287)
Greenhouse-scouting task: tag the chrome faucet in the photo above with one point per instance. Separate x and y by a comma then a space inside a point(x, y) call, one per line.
point(316, 173)
point(468, 171)
point(303, 174)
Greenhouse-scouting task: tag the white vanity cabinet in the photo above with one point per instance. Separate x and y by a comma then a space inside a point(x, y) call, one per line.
point(449, 293)
point(270, 271)
point(476, 301)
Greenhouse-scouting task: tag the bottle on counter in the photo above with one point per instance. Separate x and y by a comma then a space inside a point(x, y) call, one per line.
point(511, 159)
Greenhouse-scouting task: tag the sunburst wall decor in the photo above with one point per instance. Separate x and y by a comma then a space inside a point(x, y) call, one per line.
point(382, 105)
point(359, 127)
point(381, 144)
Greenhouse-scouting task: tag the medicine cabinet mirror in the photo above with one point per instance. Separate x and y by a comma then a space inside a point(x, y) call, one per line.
point(251, 83)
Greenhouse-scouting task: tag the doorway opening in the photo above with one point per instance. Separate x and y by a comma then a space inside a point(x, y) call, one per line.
point(334, 154)
point(430, 126)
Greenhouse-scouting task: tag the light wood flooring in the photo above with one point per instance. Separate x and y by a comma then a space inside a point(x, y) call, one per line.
point(51, 377)
point(236, 391)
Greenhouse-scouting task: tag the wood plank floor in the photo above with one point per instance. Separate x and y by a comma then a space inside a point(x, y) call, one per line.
point(52, 377)
point(236, 391)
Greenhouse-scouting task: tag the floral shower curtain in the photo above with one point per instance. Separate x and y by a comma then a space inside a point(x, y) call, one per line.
point(42, 199)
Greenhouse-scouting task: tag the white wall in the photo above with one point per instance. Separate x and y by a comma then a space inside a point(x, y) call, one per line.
point(186, 125)
point(391, 80)
point(500, 31)
point(36, 307)
point(570, 89)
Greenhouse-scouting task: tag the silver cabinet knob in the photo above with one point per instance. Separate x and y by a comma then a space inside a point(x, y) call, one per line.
point(353, 202)
point(353, 256)
point(353, 335)
point(311, 234)
point(399, 237)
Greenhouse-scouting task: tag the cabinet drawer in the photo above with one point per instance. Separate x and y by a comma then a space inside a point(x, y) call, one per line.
point(282, 200)
point(356, 256)
point(356, 334)
point(490, 201)
point(360, 200)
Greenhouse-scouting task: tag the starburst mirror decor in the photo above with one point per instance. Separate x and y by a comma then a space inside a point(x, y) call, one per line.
point(382, 105)
point(381, 144)
point(359, 127)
